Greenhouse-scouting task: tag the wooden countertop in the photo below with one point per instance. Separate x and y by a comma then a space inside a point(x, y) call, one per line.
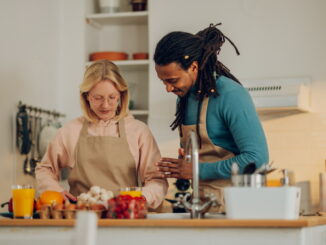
point(226, 223)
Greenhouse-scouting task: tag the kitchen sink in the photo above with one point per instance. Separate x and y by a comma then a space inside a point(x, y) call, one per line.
point(183, 216)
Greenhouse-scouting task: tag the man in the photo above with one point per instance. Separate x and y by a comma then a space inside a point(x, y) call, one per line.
point(212, 102)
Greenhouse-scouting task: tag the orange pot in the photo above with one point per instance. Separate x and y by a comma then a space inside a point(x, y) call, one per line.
point(140, 56)
point(108, 56)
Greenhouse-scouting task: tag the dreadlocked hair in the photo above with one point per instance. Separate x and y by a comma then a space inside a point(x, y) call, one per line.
point(185, 48)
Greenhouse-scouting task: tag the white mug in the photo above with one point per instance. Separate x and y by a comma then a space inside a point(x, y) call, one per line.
point(109, 6)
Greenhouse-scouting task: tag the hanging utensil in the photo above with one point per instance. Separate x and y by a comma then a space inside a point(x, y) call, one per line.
point(38, 132)
point(56, 122)
point(34, 157)
point(23, 130)
point(26, 166)
point(47, 133)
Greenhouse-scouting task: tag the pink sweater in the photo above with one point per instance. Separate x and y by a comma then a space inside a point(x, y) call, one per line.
point(61, 153)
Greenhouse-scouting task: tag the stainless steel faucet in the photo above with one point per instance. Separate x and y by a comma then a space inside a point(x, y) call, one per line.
point(195, 206)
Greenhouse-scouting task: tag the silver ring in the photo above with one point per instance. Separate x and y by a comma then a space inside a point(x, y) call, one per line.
point(166, 173)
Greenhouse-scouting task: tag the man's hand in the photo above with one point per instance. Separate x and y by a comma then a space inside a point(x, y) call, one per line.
point(174, 168)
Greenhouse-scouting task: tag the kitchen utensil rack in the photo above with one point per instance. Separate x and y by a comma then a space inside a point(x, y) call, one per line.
point(40, 110)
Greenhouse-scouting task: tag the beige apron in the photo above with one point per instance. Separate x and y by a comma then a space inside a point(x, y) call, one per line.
point(208, 153)
point(105, 161)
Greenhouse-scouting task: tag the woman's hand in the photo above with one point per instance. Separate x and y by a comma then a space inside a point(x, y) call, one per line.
point(174, 168)
point(68, 196)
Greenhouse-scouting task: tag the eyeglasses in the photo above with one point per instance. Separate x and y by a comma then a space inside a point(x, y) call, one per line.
point(99, 99)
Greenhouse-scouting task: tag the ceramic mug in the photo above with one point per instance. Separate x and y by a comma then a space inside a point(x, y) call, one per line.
point(109, 6)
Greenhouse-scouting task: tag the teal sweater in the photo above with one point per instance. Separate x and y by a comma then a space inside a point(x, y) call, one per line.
point(233, 124)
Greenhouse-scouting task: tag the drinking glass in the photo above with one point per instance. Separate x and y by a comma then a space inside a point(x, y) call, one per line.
point(23, 201)
point(131, 191)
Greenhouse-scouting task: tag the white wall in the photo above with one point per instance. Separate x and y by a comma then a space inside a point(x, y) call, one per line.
point(29, 68)
point(72, 55)
point(276, 39)
point(40, 64)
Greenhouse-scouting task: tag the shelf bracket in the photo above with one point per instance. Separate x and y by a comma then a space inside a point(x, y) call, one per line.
point(93, 23)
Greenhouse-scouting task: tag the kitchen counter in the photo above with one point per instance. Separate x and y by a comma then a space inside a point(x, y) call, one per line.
point(306, 221)
point(303, 231)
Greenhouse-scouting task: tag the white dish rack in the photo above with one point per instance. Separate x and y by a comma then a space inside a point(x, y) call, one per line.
point(262, 203)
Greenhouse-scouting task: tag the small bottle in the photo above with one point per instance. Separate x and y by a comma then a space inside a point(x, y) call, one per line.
point(285, 180)
point(236, 179)
point(234, 168)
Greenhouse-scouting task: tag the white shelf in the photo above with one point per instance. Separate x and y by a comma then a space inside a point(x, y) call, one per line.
point(139, 112)
point(126, 31)
point(129, 65)
point(123, 18)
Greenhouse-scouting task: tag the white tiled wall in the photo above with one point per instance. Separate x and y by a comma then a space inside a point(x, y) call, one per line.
point(298, 142)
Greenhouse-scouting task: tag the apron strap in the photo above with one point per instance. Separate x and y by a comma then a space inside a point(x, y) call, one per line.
point(122, 133)
point(83, 131)
point(203, 112)
point(122, 130)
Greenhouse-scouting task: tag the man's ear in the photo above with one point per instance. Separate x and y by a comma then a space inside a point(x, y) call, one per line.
point(194, 66)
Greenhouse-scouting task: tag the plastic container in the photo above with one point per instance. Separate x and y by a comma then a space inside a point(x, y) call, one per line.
point(262, 203)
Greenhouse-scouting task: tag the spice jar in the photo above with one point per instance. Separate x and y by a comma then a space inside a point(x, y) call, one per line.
point(138, 5)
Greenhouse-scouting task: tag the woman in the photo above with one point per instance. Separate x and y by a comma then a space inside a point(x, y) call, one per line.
point(212, 102)
point(106, 147)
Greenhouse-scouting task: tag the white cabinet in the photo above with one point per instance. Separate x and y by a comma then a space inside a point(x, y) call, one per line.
point(124, 31)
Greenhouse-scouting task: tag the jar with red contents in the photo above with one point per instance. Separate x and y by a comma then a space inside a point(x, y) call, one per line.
point(127, 207)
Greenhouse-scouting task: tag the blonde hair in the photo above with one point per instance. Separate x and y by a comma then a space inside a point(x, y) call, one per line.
point(100, 71)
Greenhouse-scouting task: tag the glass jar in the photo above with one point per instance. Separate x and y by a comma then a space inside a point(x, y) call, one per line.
point(139, 5)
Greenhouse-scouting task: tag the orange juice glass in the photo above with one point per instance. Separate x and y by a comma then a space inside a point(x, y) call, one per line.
point(273, 183)
point(23, 201)
point(131, 191)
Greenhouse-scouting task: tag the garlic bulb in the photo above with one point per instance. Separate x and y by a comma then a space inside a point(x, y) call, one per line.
point(92, 200)
point(104, 197)
point(95, 191)
point(83, 197)
point(95, 195)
